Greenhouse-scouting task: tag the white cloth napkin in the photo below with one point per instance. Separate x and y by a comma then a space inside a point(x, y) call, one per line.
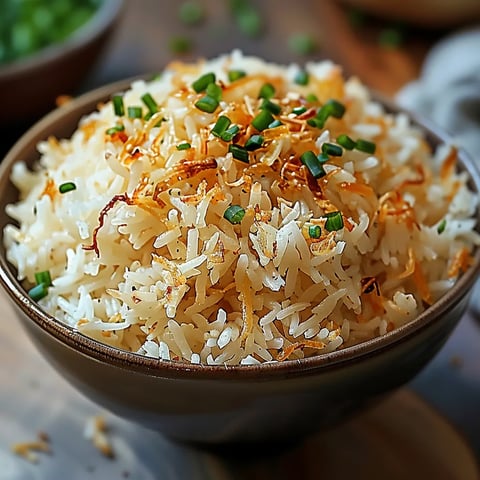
point(448, 90)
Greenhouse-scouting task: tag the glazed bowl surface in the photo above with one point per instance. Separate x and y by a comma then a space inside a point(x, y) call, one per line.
point(220, 404)
point(29, 86)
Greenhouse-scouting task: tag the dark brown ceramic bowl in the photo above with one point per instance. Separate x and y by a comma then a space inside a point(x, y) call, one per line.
point(29, 86)
point(217, 404)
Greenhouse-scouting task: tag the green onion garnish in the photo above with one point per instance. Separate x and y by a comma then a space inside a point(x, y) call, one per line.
point(234, 214)
point(301, 78)
point(313, 164)
point(246, 17)
point(201, 83)
point(332, 149)
point(346, 142)
point(183, 146)
point(67, 187)
point(301, 43)
point(118, 106)
point(334, 221)
point(441, 226)
point(38, 292)
point(215, 91)
point(365, 146)
point(267, 91)
point(334, 108)
point(262, 120)
point(311, 97)
point(319, 120)
point(234, 75)
point(191, 12)
point(229, 133)
point(254, 142)
point(299, 110)
point(391, 37)
point(323, 158)
point(207, 104)
point(115, 129)
point(134, 111)
point(238, 152)
point(43, 277)
point(314, 231)
point(149, 101)
point(221, 125)
point(179, 44)
point(272, 107)
point(275, 123)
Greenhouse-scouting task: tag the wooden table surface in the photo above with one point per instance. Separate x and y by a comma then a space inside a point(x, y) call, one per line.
point(451, 383)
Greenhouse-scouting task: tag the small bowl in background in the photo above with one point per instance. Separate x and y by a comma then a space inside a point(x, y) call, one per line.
point(30, 85)
point(218, 404)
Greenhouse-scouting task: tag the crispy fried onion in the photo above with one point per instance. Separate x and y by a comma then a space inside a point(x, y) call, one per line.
point(285, 353)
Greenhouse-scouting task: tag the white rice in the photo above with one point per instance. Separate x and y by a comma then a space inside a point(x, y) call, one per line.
point(161, 272)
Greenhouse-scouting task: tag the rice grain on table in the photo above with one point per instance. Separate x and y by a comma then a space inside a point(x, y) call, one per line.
point(146, 255)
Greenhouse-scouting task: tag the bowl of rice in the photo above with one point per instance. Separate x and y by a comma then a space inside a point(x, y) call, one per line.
point(236, 250)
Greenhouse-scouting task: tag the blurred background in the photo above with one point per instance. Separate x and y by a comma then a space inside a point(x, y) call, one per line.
point(65, 47)
point(425, 53)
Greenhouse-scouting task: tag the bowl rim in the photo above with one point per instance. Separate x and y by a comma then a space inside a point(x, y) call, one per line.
point(104, 16)
point(113, 356)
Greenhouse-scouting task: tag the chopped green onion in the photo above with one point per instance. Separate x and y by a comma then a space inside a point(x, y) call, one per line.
point(221, 125)
point(229, 133)
point(234, 75)
point(334, 108)
point(323, 158)
point(262, 120)
point(275, 124)
point(299, 110)
point(391, 37)
point(441, 226)
point(334, 221)
point(118, 106)
point(320, 118)
point(179, 44)
point(238, 152)
point(201, 83)
point(272, 107)
point(115, 129)
point(183, 146)
point(234, 214)
point(215, 91)
point(301, 43)
point(38, 292)
point(346, 142)
point(311, 97)
point(332, 149)
point(207, 104)
point(254, 142)
point(365, 146)
point(67, 187)
point(134, 111)
point(313, 164)
point(267, 91)
point(191, 12)
point(301, 78)
point(314, 231)
point(150, 102)
point(246, 17)
point(43, 277)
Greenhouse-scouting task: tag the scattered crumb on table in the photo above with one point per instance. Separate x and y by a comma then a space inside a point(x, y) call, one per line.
point(96, 430)
point(456, 361)
point(28, 450)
